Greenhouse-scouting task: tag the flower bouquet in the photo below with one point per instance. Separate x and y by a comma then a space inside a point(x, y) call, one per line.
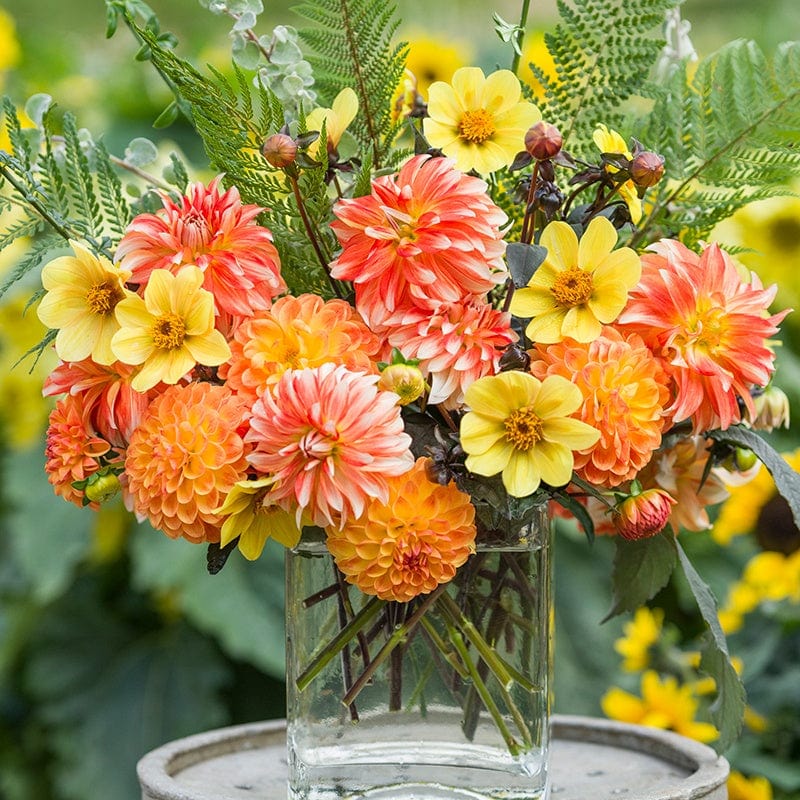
point(394, 333)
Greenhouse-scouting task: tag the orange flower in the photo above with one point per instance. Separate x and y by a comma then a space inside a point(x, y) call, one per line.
point(411, 543)
point(72, 450)
point(709, 327)
point(110, 405)
point(456, 344)
point(215, 232)
point(643, 515)
point(330, 439)
point(624, 394)
point(297, 332)
point(185, 457)
point(429, 234)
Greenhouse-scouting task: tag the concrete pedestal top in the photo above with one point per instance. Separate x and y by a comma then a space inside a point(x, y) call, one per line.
point(591, 759)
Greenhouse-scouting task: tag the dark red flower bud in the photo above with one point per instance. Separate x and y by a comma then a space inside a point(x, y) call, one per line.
point(280, 150)
point(647, 169)
point(543, 141)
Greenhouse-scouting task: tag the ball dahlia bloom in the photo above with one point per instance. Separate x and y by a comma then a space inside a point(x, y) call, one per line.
point(217, 233)
point(456, 344)
point(580, 286)
point(297, 332)
point(427, 235)
point(624, 391)
point(72, 451)
point(522, 427)
point(479, 121)
point(82, 293)
point(184, 459)
point(643, 515)
point(710, 329)
point(409, 544)
point(330, 439)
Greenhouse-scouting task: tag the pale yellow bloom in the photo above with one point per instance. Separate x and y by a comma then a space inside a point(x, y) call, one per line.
point(609, 141)
point(9, 45)
point(754, 788)
point(431, 60)
point(336, 118)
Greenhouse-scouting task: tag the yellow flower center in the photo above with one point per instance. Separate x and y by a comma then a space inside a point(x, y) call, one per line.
point(477, 126)
point(572, 287)
point(102, 298)
point(169, 332)
point(523, 428)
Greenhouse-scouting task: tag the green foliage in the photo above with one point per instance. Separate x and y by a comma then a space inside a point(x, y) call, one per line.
point(729, 135)
point(353, 46)
point(603, 53)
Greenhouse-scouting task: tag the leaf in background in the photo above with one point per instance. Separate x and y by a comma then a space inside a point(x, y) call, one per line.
point(242, 606)
point(48, 537)
point(641, 569)
point(727, 709)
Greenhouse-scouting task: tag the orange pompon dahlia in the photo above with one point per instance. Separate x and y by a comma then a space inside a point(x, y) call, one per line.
point(297, 332)
point(110, 404)
point(681, 471)
point(456, 344)
point(330, 439)
point(409, 544)
point(185, 457)
point(710, 328)
point(624, 390)
point(429, 234)
point(215, 232)
point(72, 450)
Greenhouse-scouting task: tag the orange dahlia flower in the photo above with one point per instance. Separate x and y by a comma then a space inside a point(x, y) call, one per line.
point(110, 404)
point(72, 450)
point(215, 232)
point(297, 332)
point(409, 544)
point(185, 457)
point(456, 344)
point(624, 393)
point(330, 439)
point(429, 234)
point(709, 328)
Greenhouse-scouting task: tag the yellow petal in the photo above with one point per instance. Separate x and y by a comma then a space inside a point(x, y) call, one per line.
point(283, 528)
point(609, 141)
point(621, 265)
point(629, 194)
point(546, 328)
point(532, 301)
point(493, 461)
point(176, 363)
point(252, 541)
point(59, 308)
point(75, 342)
point(184, 288)
point(467, 83)
point(132, 313)
point(607, 304)
point(554, 462)
point(488, 157)
point(132, 345)
point(157, 292)
point(572, 433)
point(102, 352)
point(597, 242)
point(500, 92)
point(197, 312)
point(210, 350)
point(622, 706)
point(234, 525)
point(558, 397)
point(495, 396)
point(440, 134)
point(581, 324)
point(345, 108)
point(478, 432)
point(561, 243)
point(518, 119)
point(443, 105)
point(521, 477)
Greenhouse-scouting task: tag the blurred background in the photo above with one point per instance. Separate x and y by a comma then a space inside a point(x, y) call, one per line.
point(114, 639)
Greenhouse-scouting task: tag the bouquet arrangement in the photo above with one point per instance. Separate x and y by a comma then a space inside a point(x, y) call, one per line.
point(393, 328)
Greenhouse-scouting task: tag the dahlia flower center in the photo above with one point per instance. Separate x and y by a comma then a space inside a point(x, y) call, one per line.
point(573, 287)
point(169, 332)
point(477, 126)
point(411, 556)
point(319, 445)
point(523, 428)
point(102, 298)
point(705, 332)
point(196, 232)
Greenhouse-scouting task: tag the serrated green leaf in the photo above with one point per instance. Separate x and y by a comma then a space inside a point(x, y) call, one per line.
point(641, 569)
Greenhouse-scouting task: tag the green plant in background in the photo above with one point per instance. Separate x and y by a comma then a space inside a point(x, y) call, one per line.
point(99, 625)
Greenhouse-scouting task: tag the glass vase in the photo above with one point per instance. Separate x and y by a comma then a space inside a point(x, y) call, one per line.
point(445, 696)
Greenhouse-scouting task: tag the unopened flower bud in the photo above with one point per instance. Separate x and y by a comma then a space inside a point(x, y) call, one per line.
point(280, 150)
point(647, 169)
point(741, 460)
point(772, 409)
point(405, 380)
point(514, 357)
point(643, 515)
point(101, 488)
point(543, 141)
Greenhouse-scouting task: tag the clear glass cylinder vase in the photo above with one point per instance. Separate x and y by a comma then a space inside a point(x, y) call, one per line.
point(446, 696)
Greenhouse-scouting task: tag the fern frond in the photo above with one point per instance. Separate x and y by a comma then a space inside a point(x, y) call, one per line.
point(603, 54)
point(353, 47)
point(116, 210)
point(728, 136)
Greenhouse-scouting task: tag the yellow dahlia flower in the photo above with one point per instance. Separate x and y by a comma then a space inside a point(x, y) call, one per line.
point(170, 330)
point(342, 112)
point(82, 292)
point(479, 121)
point(580, 286)
point(756, 787)
point(521, 426)
point(609, 141)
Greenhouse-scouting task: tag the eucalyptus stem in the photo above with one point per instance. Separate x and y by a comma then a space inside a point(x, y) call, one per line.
point(441, 645)
point(523, 22)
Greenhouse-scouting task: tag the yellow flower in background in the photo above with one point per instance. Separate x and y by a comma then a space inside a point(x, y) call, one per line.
point(342, 112)
point(754, 788)
point(9, 45)
point(431, 60)
point(580, 286)
point(522, 427)
point(535, 52)
point(664, 704)
point(641, 633)
point(609, 141)
point(479, 121)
